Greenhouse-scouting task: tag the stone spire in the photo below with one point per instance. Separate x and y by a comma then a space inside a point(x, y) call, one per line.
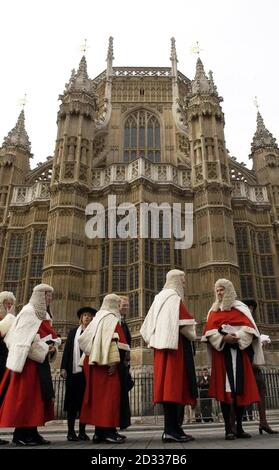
point(212, 85)
point(18, 137)
point(173, 58)
point(79, 81)
point(200, 83)
point(203, 84)
point(262, 137)
point(110, 56)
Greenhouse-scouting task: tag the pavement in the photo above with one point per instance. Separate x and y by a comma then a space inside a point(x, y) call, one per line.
point(147, 435)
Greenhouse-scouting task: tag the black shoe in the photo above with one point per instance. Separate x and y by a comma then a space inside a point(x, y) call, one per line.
point(189, 437)
point(230, 436)
point(267, 429)
point(114, 439)
point(243, 435)
point(182, 433)
point(41, 440)
point(97, 439)
point(3, 442)
point(83, 437)
point(23, 442)
point(121, 435)
point(174, 437)
point(72, 437)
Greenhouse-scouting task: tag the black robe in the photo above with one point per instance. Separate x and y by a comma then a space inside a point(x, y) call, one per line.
point(75, 383)
point(126, 381)
point(3, 357)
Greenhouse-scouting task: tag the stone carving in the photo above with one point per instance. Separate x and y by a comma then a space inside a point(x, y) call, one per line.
point(212, 170)
point(120, 173)
point(69, 170)
point(98, 145)
point(83, 173)
point(259, 194)
point(21, 194)
point(199, 173)
point(162, 173)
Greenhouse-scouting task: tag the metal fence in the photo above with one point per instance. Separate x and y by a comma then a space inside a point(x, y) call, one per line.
point(141, 399)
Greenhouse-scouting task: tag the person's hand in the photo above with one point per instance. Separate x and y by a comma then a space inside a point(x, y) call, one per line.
point(112, 369)
point(230, 338)
point(63, 373)
point(51, 348)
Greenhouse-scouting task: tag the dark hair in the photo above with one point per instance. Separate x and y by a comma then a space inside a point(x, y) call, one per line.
point(250, 303)
point(49, 311)
point(83, 310)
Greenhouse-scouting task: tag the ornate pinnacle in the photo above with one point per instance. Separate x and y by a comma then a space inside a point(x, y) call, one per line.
point(262, 137)
point(203, 84)
point(211, 82)
point(79, 80)
point(110, 50)
point(200, 83)
point(173, 51)
point(18, 136)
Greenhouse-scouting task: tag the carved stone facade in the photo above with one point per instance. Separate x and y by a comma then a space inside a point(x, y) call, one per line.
point(144, 135)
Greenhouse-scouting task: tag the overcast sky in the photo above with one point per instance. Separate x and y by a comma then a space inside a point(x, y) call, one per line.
point(40, 44)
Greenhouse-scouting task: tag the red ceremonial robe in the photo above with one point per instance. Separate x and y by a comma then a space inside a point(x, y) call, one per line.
point(101, 402)
point(217, 387)
point(22, 405)
point(170, 372)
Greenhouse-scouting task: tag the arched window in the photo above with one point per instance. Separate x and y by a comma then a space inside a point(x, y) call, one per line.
point(142, 137)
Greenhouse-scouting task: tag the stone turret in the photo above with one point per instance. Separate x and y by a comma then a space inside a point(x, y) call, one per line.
point(214, 250)
point(70, 185)
point(265, 154)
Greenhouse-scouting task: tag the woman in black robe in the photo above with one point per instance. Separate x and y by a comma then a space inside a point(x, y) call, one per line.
point(73, 373)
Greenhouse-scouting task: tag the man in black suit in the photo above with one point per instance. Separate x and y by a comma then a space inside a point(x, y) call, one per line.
point(73, 373)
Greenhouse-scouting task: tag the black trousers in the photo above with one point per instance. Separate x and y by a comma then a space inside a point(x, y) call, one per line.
point(71, 418)
point(227, 412)
point(173, 417)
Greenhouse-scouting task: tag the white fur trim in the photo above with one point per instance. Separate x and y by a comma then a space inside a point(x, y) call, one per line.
point(123, 346)
point(189, 331)
point(38, 350)
point(6, 324)
point(20, 337)
point(215, 339)
point(187, 322)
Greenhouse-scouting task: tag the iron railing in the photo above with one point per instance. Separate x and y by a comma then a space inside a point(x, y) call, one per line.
point(141, 398)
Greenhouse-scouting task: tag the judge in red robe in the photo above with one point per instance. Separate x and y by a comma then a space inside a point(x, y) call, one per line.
point(7, 317)
point(101, 343)
point(169, 329)
point(233, 339)
point(26, 389)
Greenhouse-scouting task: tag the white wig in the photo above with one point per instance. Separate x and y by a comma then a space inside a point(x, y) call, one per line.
point(229, 296)
point(38, 300)
point(174, 282)
point(6, 295)
point(111, 303)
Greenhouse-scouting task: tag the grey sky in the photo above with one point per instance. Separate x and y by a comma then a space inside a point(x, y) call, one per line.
point(40, 44)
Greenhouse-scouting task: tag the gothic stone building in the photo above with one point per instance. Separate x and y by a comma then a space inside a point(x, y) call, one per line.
point(143, 134)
